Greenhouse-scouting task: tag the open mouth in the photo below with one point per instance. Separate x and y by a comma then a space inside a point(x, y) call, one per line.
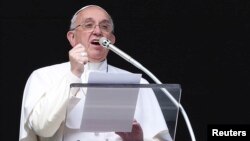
point(95, 42)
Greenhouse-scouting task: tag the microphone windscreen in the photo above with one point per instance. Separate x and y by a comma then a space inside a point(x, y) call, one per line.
point(104, 42)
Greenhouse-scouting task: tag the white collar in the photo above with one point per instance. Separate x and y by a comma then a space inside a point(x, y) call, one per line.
point(90, 67)
point(100, 66)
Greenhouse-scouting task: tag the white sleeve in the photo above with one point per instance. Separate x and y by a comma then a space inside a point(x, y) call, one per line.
point(148, 113)
point(49, 111)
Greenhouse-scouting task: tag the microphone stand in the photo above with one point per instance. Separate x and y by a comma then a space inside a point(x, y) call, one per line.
point(107, 44)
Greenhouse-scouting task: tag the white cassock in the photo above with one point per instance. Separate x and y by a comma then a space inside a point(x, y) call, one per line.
point(45, 99)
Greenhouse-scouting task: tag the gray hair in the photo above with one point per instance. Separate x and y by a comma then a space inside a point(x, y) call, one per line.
point(73, 20)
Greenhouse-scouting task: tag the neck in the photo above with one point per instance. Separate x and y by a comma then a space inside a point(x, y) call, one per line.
point(97, 65)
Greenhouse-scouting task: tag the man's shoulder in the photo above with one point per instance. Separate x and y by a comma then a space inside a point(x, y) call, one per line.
point(119, 70)
point(116, 69)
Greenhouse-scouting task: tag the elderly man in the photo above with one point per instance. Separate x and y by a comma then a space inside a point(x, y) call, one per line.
point(46, 92)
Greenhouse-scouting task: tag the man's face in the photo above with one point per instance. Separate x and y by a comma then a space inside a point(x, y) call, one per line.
point(89, 38)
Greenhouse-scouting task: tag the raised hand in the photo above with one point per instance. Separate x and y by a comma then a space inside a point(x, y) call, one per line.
point(78, 57)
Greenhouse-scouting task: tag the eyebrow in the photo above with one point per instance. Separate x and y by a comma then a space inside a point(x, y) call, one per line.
point(92, 20)
point(88, 20)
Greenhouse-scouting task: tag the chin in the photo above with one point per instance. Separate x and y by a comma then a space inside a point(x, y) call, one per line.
point(97, 58)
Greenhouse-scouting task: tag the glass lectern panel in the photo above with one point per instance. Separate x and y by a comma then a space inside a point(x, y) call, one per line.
point(99, 110)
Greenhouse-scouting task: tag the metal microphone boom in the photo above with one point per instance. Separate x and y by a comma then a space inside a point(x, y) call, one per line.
point(107, 44)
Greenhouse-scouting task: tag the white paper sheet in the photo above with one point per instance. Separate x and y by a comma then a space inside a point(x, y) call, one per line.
point(110, 109)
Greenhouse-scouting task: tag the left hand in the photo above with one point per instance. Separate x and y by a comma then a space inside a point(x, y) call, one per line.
point(135, 135)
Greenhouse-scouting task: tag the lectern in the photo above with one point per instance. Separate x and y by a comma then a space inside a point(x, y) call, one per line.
point(105, 106)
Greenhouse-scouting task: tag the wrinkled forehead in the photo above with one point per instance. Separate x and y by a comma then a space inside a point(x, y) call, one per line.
point(92, 12)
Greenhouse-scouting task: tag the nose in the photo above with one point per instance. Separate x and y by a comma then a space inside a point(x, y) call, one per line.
point(97, 31)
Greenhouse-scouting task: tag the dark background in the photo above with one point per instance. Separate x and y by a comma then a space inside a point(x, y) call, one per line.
point(200, 44)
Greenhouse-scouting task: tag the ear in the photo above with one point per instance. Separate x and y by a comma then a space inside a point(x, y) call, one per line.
point(112, 38)
point(71, 38)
